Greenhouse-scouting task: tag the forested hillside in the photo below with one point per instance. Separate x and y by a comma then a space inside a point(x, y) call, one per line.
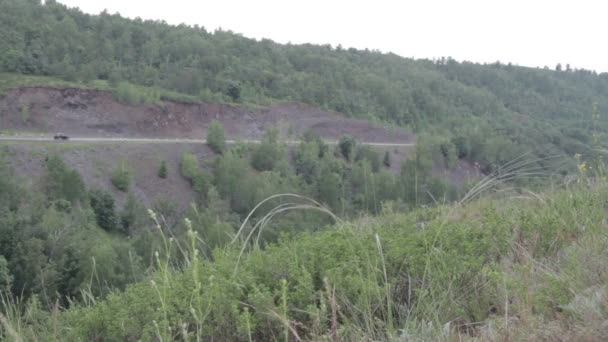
point(318, 241)
point(507, 267)
point(485, 113)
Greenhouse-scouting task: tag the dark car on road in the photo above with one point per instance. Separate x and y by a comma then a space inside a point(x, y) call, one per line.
point(61, 136)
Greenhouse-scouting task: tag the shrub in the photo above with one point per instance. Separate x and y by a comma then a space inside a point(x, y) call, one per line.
point(103, 206)
point(449, 152)
point(25, 113)
point(366, 153)
point(234, 91)
point(162, 170)
point(347, 146)
point(215, 137)
point(268, 153)
point(387, 159)
point(191, 170)
point(131, 215)
point(126, 93)
point(62, 182)
point(5, 275)
point(307, 161)
point(121, 177)
point(189, 166)
point(132, 95)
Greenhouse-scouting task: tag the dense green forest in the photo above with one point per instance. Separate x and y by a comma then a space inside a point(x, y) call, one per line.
point(350, 250)
point(485, 113)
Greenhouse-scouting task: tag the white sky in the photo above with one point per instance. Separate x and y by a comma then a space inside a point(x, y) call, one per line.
point(524, 32)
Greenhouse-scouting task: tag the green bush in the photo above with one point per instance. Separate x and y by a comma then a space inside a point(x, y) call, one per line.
point(61, 182)
point(126, 93)
point(121, 177)
point(162, 170)
point(450, 153)
point(103, 206)
point(189, 166)
point(269, 153)
point(347, 146)
point(5, 276)
point(133, 95)
point(215, 137)
point(191, 171)
point(387, 159)
point(371, 156)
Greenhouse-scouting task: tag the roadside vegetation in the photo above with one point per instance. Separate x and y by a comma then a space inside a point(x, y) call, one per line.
point(215, 137)
point(487, 114)
point(122, 176)
point(509, 266)
point(318, 242)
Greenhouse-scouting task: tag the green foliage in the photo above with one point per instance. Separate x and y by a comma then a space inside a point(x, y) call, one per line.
point(162, 170)
point(122, 176)
point(423, 275)
point(191, 170)
point(132, 215)
point(520, 109)
point(449, 153)
point(25, 113)
point(132, 95)
point(126, 93)
point(234, 91)
point(411, 93)
point(213, 223)
point(10, 193)
point(5, 276)
point(231, 175)
point(347, 146)
point(307, 160)
point(189, 165)
point(215, 137)
point(368, 154)
point(356, 271)
point(61, 182)
point(103, 206)
point(366, 271)
point(269, 153)
point(387, 159)
point(330, 187)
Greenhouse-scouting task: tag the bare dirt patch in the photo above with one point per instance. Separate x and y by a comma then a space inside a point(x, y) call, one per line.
point(96, 161)
point(85, 112)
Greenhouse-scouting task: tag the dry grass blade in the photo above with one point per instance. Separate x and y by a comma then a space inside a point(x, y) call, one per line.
point(9, 329)
point(238, 233)
point(316, 206)
point(287, 324)
point(511, 171)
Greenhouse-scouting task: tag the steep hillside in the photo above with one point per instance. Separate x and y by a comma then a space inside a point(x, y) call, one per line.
point(88, 112)
point(528, 268)
point(52, 39)
point(488, 114)
point(95, 163)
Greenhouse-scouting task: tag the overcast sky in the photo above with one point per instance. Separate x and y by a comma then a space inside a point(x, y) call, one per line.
point(525, 32)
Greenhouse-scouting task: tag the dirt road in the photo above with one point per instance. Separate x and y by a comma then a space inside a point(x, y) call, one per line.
point(174, 141)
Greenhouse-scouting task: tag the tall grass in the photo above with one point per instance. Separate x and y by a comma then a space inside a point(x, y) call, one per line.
point(482, 269)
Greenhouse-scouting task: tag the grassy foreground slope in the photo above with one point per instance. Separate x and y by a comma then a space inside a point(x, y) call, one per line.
point(521, 268)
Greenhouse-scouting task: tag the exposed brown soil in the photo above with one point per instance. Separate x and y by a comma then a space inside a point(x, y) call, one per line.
point(82, 112)
point(96, 161)
point(463, 173)
point(92, 113)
